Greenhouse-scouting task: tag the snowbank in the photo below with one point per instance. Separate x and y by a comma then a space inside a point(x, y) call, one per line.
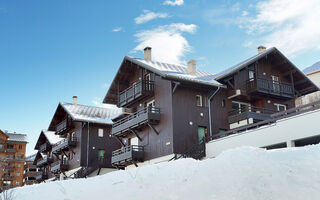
point(243, 173)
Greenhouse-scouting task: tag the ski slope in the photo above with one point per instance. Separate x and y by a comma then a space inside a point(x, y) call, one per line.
point(244, 173)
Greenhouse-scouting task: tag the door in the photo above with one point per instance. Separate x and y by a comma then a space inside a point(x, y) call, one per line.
point(151, 105)
point(101, 154)
point(147, 79)
point(201, 133)
point(275, 84)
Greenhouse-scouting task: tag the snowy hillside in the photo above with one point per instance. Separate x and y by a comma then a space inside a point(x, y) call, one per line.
point(244, 173)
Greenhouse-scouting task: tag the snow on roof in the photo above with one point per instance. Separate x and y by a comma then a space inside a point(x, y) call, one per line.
point(176, 71)
point(244, 63)
point(31, 157)
point(52, 137)
point(14, 137)
point(92, 114)
point(313, 68)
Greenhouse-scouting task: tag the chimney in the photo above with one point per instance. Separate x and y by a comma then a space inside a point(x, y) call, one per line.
point(75, 99)
point(261, 49)
point(147, 53)
point(192, 68)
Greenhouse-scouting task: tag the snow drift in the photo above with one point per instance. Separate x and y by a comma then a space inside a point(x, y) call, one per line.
point(244, 173)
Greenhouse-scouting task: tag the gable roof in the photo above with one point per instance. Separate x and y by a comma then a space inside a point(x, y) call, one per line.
point(243, 64)
point(91, 114)
point(49, 136)
point(31, 157)
point(303, 86)
point(175, 71)
point(14, 137)
point(312, 69)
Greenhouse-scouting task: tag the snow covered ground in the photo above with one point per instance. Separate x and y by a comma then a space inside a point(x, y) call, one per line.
point(244, 173)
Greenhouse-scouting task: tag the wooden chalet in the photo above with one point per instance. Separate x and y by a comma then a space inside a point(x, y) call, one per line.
point(85, 145)
point(170, 109)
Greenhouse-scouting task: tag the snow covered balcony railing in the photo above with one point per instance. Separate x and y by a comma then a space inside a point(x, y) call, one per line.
point(261, 85)
point(44, 147)
point(64, 144)
point(127, 155)
point(250, 112)
point(40, 176)
point(136, 92)
point(44, 161)
point(64, 126)
point(59, 166)
point(273, 118)
point(148, 115)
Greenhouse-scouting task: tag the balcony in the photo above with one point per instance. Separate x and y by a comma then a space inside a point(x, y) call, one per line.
point(40, 176)
point(250, 112)
point(64, 145)
point(8, 150)
point(269, 87)
point(64, 126)
point(127, 155)
point(136, 92)
point(44, 147)
point(44, 161)
point(59, 166)
point(7, 177)
point(148, 115)
point(9, 168)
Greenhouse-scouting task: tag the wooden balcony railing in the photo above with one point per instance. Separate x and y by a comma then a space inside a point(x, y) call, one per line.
point(44, 147)
point(247, 112)
point(127, 155)
point(135, 92)
point(64, 126)
point(64, 144)
point(7, 177)
point(268, 86)
point(8, 150)
point(59, 166)
point(139, 119)
point(40, 176)
point(44, 161)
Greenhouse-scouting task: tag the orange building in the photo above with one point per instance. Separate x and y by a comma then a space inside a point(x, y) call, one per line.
point(12, 158)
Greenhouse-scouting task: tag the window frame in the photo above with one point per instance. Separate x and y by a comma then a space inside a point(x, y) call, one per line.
point(100, 132)
point(200, 100)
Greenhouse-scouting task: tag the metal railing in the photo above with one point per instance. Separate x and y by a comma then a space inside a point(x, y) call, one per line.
point(135, 90)
point(270, 86)
point(251, 109)
point(273, 118)
point(127, 149)
point(135, 115)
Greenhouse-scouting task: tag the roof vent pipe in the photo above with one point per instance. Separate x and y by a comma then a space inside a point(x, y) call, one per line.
point(147, 53)
point(192, 67)
point(74, 100)
point(261, 49)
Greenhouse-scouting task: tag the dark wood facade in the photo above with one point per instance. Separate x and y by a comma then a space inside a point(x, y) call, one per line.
point(83, 145)
point(266, 85)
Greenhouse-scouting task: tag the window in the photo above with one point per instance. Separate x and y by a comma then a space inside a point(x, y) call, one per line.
point(20, 146)
point(151, 105)
point(199, 100)
point(18, 174)
point(101, 154)
point(100, 132)
point(19, 165)
point(223, 103)
point(1, 146)
point(134, 141)
point(280, 107)
point(275, 83)
point(9, 146)
point(251, 75)
point(17, 183)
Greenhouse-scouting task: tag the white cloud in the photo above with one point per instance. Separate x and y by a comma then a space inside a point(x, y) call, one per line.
point(117, 29)
point(167, 42)
point(98, 102)
point(173, 2)
point(148, 16)
point(244, 13)
point(290, 25)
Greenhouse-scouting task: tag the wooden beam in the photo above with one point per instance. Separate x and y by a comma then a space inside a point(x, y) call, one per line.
point(153, 129)
point(136, 134)
point(230, 84)
point(175, 86)
point(119, 140)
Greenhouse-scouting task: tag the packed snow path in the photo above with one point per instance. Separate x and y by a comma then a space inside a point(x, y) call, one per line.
point(244, 173)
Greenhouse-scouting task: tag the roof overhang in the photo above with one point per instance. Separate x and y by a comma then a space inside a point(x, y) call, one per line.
point(112, 96)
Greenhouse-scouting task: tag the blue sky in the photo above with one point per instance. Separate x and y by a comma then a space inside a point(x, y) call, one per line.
point(52, 50)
